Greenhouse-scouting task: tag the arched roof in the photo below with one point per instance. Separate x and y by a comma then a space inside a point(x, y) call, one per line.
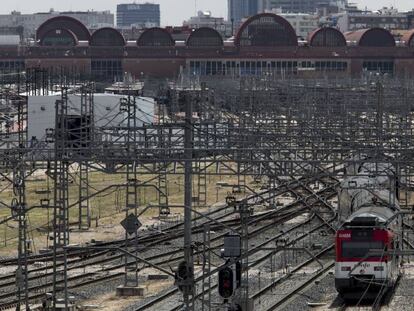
point(373, 37)
point(266, 29)
point(64, 22)
point(59, 37)
point(327, 36)
point(155, 37)
point(107, 36)
point(205, 37)
point(408, 38)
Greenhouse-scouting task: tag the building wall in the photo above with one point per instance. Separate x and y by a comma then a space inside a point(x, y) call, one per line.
point(354, 21)
point(356, 67)
point(239, 9)
point(304, 24)
point(30, 22)
point(41, 115)
point(138, 14)
point(298, 6)
point(57, 65)
point(167, 68)
point(404, 68)
point(169, 62)
point(93, 19)
point(204, 19)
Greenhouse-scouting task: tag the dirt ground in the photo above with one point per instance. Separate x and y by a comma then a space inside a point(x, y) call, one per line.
point(106, 210)
point(111, 302)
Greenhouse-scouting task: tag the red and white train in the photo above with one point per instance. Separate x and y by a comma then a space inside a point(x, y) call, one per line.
point(368, 207)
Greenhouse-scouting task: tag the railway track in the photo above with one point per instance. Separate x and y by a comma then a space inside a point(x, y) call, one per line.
point(152, 303)
point(171, 231)
point(160, 259)
point(45, 286)
point(257, 262)
point(150, 238)
point(382, 298)
point(302, 285)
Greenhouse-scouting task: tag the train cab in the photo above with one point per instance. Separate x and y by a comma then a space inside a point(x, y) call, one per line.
point(356, 271)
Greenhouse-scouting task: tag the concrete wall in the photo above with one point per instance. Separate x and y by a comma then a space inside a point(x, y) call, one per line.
point(41, 111)
point(159, 68)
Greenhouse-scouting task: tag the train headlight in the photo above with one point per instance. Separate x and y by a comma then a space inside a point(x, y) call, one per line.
point(379, 268)
point(345, 268)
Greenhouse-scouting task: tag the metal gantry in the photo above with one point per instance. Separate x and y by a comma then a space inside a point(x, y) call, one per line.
point(188, 283)
point(86, 138)
point(259, 128)
point(60, 172)
point(129, 107)
point(19, 205)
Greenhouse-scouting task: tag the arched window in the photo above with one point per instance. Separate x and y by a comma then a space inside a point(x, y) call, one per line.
point(205, 37)
point(64, 22)
point(107, 37)
point(59, 37)
point(374, 37)
point(327, 36)
point(155, 37)
point(266, 30)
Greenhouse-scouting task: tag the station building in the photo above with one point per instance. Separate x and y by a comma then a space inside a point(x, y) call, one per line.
point(265, 43)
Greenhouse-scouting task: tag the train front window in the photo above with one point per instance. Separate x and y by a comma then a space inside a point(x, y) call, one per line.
point(351, 249)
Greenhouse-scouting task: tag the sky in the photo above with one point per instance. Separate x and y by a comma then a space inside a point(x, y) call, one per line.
point(173, 12)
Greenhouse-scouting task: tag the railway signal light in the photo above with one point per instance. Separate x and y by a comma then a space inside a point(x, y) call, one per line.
point(227, 282)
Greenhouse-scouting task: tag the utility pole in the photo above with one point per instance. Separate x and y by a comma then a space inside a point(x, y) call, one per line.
point(206, 285)
point(244, 286)
point(380, 112)
point(188, 250)
point(19, 208)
